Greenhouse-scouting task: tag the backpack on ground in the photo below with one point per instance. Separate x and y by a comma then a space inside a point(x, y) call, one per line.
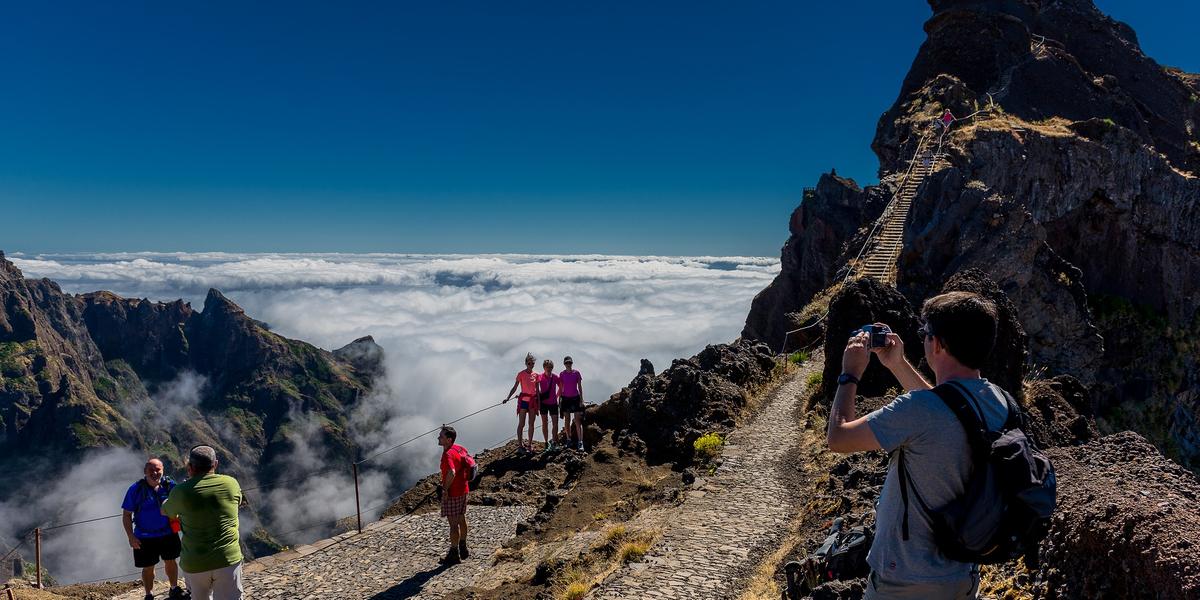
point(843, 555)
point(1005, 509)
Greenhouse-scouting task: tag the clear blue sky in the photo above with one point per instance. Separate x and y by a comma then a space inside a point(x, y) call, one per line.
point(470, 126)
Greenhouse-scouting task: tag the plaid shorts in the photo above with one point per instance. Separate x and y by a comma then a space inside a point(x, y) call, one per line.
point(454, 506)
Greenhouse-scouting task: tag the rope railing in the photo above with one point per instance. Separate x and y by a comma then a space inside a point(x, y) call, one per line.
point(36, 532)
point(999, 91)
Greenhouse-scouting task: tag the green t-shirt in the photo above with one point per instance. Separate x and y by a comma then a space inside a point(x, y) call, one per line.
point(207, 506)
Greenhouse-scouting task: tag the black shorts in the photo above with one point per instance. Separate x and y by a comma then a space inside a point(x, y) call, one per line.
point(549, 409)
point(571, 404)
point(165, 547)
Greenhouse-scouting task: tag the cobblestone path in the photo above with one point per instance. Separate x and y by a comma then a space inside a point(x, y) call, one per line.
point(714, 539)
point(392, 559)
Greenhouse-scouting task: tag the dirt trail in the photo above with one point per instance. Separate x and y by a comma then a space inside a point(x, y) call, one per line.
point(393, 558)
point(713, 541)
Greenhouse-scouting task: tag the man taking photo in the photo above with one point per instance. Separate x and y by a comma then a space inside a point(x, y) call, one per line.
point(921, 433)
point(207, 506)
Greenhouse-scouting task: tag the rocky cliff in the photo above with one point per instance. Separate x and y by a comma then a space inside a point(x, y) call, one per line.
point(1072, 179)
point(79, 372)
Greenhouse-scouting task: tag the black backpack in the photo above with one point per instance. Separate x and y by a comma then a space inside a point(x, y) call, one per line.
point(1005, 509)
point(842, 556)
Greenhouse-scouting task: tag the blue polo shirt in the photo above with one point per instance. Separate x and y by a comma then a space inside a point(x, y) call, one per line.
point(145, 504)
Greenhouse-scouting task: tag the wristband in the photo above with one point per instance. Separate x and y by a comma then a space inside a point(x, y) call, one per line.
point(845, 378)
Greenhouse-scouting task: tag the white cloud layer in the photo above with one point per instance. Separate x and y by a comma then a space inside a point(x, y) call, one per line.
point(455, 329)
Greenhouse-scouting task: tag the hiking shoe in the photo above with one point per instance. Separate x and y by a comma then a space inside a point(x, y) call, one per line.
point(149, 597)
point(177, 593)
point(462, 550)
point(451, 557)
point(580, 447)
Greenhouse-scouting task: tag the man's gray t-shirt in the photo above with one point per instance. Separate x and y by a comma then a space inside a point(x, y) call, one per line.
point(937, 459)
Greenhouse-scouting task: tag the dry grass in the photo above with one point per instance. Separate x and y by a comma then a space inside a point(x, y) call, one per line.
point(617, 546)
point(503, 554)
point(643, 479)
point(995, 583)
point(632, 551)
point(614, 534)
point(575, 591)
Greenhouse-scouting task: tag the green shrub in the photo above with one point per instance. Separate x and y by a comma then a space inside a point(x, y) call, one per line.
point(814, 379)
point(800, 357)
point(708, 446)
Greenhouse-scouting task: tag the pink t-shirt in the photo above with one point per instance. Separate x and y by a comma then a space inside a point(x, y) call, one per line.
point(548, 383)
point(528, 381)
point(568, 382)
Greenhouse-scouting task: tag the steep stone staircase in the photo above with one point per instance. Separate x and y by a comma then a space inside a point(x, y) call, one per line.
point(888, 234)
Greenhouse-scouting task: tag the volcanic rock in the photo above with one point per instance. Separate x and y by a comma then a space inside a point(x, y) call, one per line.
point(662, 415)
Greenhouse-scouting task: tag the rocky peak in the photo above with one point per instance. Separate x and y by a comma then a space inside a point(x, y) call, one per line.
point(364, 355)
point(1069, 180)
point(1045, 59)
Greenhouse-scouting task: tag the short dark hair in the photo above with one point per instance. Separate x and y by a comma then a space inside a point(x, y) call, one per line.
point(965, 323)
point(449, 432)
point(203, 458)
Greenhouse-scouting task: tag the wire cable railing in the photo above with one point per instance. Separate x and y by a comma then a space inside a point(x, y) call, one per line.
point(993, 94)
point(36, 533)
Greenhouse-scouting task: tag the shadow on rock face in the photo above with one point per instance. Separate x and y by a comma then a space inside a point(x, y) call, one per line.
point(860, 303)
point(868, 301)
point(1006, 366)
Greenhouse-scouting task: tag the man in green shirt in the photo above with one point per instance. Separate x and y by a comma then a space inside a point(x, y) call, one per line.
point(207, 506)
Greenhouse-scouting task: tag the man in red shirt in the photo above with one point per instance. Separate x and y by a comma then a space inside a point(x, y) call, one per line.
point(455, 473)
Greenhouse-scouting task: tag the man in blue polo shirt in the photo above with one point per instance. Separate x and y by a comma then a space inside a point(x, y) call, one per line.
point(150, 533)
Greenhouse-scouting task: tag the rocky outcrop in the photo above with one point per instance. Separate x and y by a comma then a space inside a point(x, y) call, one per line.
point(822, 228)
point(364, 355)
point(98, 370)
point(1127, 524)
point(1077, 192)
point(662, 415)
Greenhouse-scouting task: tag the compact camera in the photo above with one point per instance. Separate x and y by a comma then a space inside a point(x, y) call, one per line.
point(878, 335)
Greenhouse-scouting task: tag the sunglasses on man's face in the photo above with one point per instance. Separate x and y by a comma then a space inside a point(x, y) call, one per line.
point(924, 332)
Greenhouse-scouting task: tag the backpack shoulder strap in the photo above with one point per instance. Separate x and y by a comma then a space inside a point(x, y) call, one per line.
point(955, 398)
point(1016, 417)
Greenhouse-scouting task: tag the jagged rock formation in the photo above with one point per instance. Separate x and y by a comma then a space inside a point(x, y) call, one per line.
point(97, 370)
point(1078, 192)
point(662, 415)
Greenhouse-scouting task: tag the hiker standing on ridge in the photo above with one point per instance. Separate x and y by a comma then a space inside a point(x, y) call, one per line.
point(455, 485)
point(527, 402)
point(548, 403)
point(150, 533)
point(570, 385)
point(207, 506)
point(924, 438)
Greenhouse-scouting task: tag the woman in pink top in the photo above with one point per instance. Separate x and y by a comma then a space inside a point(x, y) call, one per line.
point(527, 401)
point(548, 401)
point(570, 385)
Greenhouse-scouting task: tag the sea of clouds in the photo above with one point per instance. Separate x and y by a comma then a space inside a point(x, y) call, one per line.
point(454, 328)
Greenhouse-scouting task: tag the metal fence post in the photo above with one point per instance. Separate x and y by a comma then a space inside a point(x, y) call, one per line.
point(357, 505)
point(37, 554)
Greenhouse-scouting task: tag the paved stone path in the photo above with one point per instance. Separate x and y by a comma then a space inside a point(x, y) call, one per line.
point(392, 559)
point(713, 540)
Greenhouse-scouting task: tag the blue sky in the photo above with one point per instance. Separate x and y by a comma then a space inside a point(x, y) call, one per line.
point(546, 127)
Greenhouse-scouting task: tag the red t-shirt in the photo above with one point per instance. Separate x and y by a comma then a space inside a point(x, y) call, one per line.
point(456, 458)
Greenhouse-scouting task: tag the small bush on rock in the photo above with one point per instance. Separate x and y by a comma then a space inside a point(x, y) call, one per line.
point(708, 446)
